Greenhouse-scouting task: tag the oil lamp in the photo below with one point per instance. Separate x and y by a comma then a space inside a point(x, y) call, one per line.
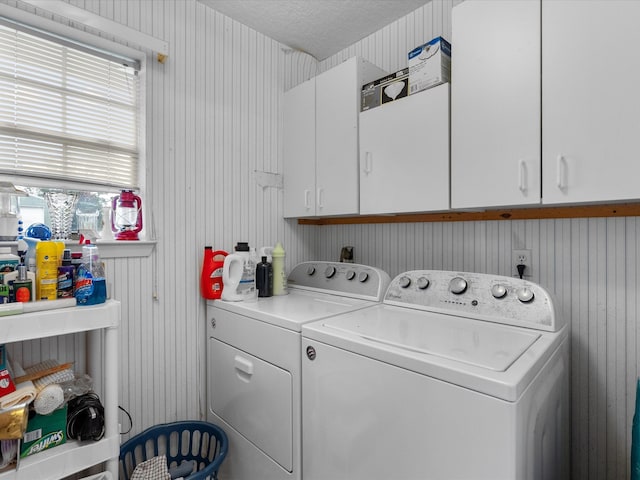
point(126, 216)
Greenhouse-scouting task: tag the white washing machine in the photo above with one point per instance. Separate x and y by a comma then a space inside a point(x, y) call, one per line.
point(454, 376)
point(254, 362)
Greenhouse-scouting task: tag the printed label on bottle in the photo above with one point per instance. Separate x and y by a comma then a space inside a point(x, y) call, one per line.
point(84, 287)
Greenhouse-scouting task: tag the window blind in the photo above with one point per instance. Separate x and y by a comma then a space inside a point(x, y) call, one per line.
point(66, 114)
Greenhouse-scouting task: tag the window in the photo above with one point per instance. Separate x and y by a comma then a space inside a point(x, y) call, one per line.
point(69, 118)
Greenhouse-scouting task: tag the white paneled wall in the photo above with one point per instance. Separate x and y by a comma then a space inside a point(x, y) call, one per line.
point(214, 119)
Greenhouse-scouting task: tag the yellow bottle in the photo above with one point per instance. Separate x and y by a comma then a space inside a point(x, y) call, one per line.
point(279, 274)
point(48, 258)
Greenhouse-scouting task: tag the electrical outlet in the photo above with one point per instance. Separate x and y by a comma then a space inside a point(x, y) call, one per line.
point(521, 257)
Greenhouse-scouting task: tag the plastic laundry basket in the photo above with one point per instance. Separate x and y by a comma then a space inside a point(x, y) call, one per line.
point(203, 442)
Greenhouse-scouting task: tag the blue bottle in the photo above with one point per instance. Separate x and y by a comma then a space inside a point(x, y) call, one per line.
point(91, 286)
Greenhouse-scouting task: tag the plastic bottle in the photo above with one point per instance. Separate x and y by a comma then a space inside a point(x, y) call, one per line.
point(48, 258)
point(239, 275)
point(279, 275)
point(264, 278)
point(91, 286)
point(11, 278)
point(8, 261)
point(23, 286)
point(65, 276)
point(211, 274)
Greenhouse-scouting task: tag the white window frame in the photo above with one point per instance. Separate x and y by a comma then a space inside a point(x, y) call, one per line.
point(100, 43)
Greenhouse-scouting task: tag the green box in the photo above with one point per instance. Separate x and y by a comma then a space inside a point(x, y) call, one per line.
point(44, 432)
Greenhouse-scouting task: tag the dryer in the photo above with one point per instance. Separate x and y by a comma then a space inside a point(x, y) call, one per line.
point(454, 375)
point(254, 362)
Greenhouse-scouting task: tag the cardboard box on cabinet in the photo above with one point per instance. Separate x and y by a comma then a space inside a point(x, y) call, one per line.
point(385, 89)
point(429, 65)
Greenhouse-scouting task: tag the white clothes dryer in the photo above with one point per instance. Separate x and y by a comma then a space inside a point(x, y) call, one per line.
point(254, 362)
point(454, 376)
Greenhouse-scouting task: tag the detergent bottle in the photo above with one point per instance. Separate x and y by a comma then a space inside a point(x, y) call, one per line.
point(211, 283)
point(239, 275)
point(279, 274)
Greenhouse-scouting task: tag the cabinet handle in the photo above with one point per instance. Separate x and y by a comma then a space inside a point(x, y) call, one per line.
point(307, 195)
point(522, 176)
point(319, 197)
point(562, 172)
point(368, 163)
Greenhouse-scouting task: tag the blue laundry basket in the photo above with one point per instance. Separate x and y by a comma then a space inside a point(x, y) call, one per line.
point(203, 442)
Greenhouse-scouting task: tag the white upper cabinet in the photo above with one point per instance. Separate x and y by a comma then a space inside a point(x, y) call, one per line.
point(321, 141)
point(495, 103)
point(404, 154)
point(299, 150)
point(591, 100)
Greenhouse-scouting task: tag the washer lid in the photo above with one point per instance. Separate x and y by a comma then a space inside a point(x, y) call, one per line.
point(499, 360)
point(292, 310)
point(480, 344)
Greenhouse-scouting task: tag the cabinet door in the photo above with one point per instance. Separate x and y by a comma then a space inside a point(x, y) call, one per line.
point(495, 103)
point(299, 150)
point(337, 109)
point(404, 154)
point(591, 100)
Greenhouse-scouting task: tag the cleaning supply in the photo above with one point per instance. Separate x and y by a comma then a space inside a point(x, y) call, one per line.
point(239, 275)
point(91, 285)
point(12, 277)
point(264, 278)
point(21, 285)
point(279, 275)
point(65, 276)
point(211, 284)
point(48, 257)
point(8, 261)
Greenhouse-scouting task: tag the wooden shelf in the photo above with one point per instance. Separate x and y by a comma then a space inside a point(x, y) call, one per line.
point(583, 211)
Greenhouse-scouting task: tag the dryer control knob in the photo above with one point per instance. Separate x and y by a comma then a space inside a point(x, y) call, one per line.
point(423, 283)
point(311, 270)
point(351, 275)
point(330, 271)
point(458, 285)
point(363, 277)
point(404, 282)
point(498, 291)
point(525, 295)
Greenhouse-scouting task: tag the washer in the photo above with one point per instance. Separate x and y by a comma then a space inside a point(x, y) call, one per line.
point(254, 362)
point(454, 376)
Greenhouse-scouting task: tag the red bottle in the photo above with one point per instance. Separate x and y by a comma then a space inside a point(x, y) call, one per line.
point(211, 275)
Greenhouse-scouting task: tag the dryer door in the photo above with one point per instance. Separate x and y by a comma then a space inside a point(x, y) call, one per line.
point(255, 398)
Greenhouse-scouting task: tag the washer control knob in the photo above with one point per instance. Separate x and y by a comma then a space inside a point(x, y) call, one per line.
point(404, 282)
point(423, 283)
point(363, 277)
point(351, 275)
point(311, 270)
point(498, 290)
point(330, 271)
point(525, 295)
point(458, 285)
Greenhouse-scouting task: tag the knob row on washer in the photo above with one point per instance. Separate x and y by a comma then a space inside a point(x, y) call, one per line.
point(330, 271)
point(459, 285)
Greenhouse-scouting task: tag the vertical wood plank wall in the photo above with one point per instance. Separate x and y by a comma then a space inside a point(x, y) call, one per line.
point(214, 118)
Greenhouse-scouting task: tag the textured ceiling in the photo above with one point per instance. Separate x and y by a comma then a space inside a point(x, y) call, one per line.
point(318, 27)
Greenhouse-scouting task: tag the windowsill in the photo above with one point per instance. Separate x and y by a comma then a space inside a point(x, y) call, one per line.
point(111, 248)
